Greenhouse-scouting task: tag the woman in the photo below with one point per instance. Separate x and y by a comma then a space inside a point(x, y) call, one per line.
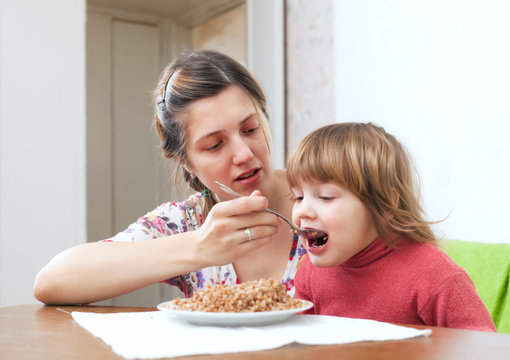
point(211, 117)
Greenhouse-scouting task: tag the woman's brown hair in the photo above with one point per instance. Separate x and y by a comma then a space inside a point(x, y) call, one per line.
point(373, 165)
point(189, 78)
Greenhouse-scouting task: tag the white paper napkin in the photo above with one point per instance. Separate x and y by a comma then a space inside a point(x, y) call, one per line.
point(146, 335)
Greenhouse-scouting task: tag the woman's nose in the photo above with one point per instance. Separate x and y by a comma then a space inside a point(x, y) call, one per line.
point(241, 152)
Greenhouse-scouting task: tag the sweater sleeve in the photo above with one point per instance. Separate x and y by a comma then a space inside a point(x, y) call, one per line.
point(167, 219)
point(455, 303)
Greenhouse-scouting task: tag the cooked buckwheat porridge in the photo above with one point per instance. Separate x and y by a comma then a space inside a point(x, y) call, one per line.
point(250, 296)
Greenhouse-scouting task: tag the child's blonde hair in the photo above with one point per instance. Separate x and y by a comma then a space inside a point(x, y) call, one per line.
point(373, 165)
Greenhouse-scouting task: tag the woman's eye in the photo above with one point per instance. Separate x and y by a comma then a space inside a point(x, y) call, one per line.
point(214, 147)
point(251, 130)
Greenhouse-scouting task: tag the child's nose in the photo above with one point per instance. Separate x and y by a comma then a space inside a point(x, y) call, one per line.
point(302, 211)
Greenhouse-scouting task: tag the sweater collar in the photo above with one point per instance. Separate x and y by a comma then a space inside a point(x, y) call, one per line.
point(373, 252)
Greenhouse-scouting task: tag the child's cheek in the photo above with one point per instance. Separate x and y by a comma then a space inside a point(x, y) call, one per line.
point(294, 216)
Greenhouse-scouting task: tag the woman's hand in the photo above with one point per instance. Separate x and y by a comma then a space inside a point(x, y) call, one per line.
point(223, 236)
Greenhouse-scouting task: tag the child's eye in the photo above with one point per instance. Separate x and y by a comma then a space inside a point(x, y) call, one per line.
point(326, 198)
point(298, 197)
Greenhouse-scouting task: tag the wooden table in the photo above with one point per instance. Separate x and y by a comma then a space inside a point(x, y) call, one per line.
point(49, 332)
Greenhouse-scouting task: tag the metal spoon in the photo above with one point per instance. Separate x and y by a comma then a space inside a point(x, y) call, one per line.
point(305, 233)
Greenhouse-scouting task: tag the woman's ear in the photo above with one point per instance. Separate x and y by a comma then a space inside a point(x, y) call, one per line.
point(185, 167)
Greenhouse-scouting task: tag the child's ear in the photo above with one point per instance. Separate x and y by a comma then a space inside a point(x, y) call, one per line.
point(394, 201)
point(394, 197)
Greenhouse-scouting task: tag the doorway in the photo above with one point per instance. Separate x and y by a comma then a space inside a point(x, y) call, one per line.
point(126, 51)
point(129, 42)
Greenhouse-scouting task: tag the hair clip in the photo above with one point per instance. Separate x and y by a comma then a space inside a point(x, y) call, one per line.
point(206, 193)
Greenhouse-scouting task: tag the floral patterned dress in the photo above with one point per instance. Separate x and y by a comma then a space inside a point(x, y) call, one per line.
point(177, 217)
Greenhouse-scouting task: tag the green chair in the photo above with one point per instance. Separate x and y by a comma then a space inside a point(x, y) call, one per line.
point(488, 265)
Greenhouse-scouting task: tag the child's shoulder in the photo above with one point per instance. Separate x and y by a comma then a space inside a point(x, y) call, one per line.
point(430, 258)
point(424, 251)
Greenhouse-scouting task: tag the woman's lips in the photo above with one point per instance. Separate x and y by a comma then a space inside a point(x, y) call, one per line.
point(247, 174)
point(249, 177)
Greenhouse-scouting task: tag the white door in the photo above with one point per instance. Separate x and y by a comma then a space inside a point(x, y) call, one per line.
point(124, 165)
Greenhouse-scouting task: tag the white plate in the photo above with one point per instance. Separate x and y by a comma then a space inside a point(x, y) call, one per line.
point(233, 319)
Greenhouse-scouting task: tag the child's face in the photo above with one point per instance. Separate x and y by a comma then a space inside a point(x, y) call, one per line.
point(341, 214)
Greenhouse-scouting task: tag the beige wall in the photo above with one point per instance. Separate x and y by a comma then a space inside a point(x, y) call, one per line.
point(435, 74)
point(226, 33)
point(310, 68)
point(42, 138)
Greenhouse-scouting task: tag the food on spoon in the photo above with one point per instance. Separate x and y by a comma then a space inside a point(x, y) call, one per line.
point(310, 234)
point(250, 296)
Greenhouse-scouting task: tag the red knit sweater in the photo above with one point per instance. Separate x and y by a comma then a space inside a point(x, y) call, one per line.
point(416, 283)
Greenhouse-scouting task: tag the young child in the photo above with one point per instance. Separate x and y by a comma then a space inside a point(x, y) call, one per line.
point(380, 260)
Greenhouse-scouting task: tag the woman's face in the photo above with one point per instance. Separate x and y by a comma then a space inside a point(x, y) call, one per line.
point(338, 212)
point(226, 143)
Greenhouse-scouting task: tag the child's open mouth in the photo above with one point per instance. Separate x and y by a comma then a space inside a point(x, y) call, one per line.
point(318, 240)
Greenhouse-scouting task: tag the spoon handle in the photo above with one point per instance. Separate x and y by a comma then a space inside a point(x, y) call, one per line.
point(282, 217)
point(232, 192)
point(227, 189)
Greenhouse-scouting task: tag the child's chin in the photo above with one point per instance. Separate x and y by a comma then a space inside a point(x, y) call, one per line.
point(320, 262)
point(325, 260)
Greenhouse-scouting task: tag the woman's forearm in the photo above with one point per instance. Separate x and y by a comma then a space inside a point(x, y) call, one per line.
point(102, 270)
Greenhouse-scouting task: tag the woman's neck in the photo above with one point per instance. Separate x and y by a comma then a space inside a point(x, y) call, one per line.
point(280, 196)
point(271, 259)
